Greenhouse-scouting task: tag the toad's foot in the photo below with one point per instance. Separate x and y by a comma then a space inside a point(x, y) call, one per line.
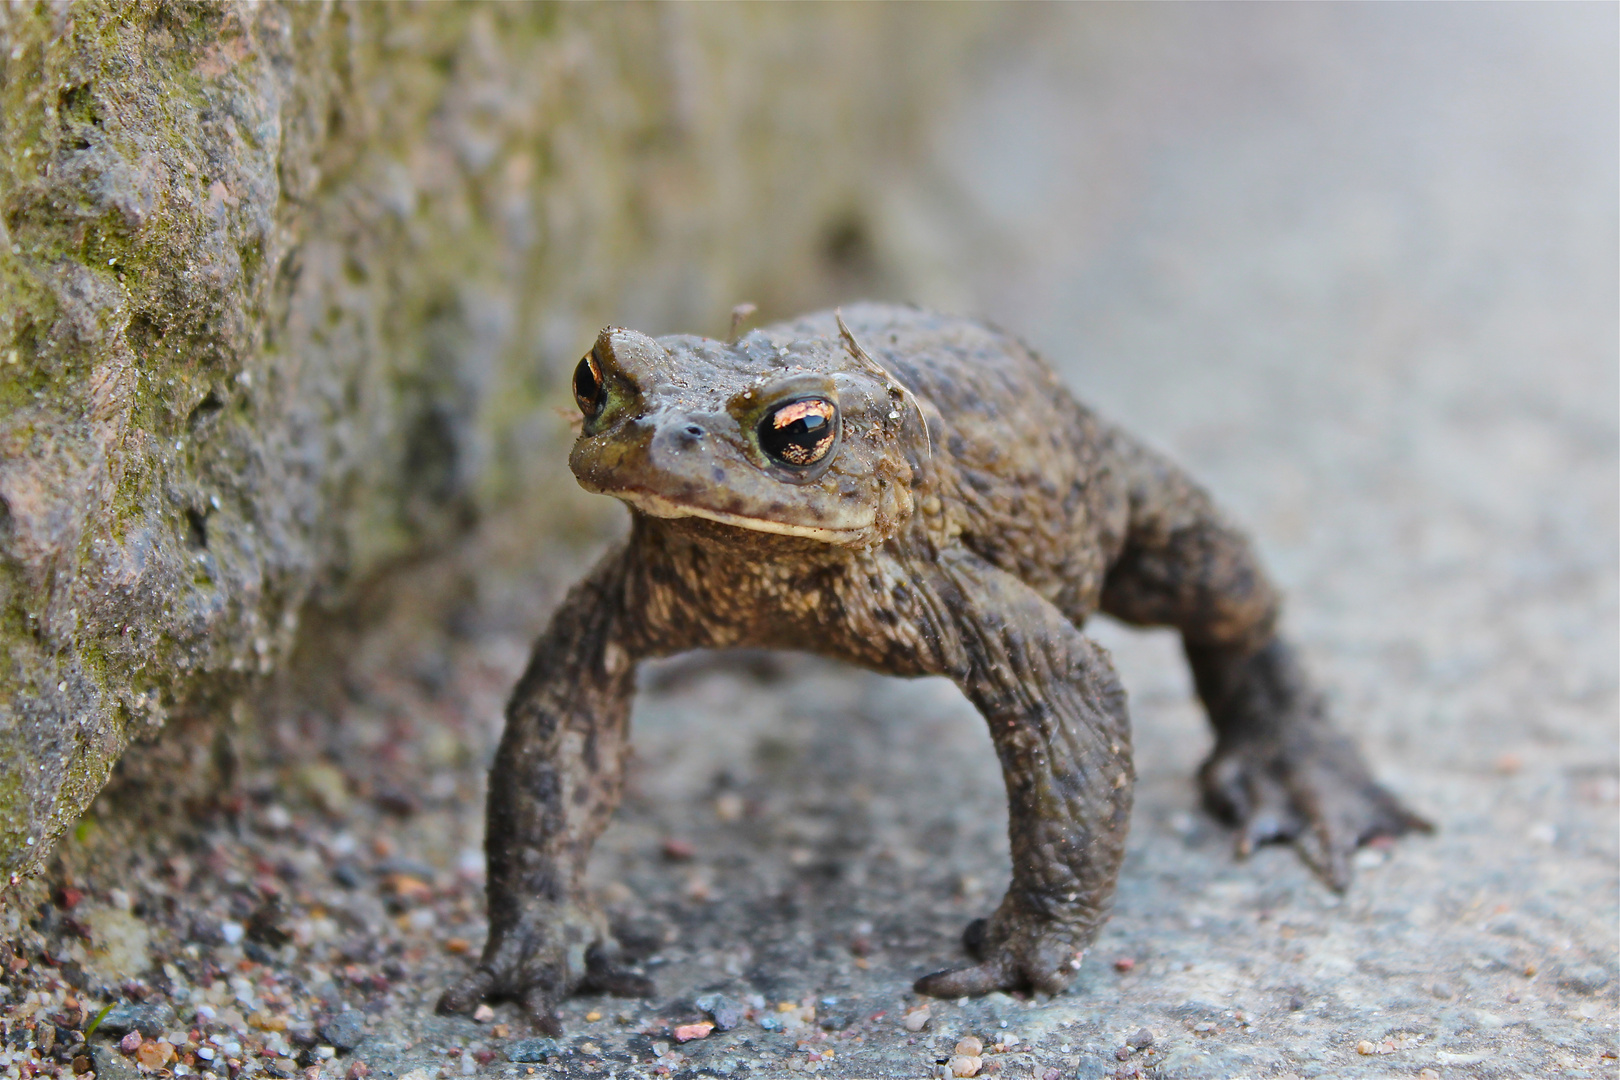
point(1310, 787)
point(517, 967)
point(1029, 954)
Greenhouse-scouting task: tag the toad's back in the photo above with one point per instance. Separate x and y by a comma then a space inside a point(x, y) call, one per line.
point(1028, 477)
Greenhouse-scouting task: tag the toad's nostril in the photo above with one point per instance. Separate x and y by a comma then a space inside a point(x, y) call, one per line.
point(693, 430)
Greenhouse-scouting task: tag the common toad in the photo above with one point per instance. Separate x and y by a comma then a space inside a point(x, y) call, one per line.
point(919, 495)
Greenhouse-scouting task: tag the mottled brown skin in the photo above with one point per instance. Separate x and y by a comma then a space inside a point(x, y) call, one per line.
point(974, 549)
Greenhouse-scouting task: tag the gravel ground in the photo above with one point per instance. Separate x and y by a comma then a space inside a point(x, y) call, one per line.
point(1356, 266)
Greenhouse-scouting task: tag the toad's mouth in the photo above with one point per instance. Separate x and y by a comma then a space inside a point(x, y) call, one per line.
point(663, 507)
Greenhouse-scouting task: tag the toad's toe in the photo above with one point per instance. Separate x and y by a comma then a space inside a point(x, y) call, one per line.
point(967, 981)
point(604, 976)
point(540, 1005)
point(1316, 793)
point(466, 995)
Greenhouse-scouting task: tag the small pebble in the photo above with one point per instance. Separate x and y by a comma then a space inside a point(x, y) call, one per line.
point(1141, 1040)
point(1052, 1073)
point(1365, 1047)
point(483, 1014)
point(1368, 858)
point(969, 1046)
point(677, 850)
point(471, 863)
point(1203, 1026)
point(268, 1022)
point(1122, 1053)
point(728, 806)
point(917, 1019)
point(131, 1042)
point(348, 875)
point(725, 1012)
point(345, 1031)
point(1428, 1074)
point(837, 1021)
point(108, 1064)
point(154, 1054)
point(151, 1019)
point(277, 817)
point(1124, 964)
point(688, 1032)
point(532, 1050)
point(965, 1065)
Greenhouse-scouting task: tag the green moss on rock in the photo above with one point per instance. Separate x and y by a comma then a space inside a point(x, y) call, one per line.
point(287, 293)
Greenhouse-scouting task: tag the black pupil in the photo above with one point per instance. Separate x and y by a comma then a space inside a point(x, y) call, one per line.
point(798, 433)
point(587, 388)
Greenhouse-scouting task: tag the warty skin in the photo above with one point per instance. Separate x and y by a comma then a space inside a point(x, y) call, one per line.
point(919, 495)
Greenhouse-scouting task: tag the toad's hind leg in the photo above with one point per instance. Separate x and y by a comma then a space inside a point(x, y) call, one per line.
point(1057, 717)
point(1280, 770)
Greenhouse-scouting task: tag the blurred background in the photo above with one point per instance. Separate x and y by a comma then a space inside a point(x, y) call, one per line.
point(296, 292)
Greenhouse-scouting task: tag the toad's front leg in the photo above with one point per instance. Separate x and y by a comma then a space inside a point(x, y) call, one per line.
point(555, 781)
point(1057, 716)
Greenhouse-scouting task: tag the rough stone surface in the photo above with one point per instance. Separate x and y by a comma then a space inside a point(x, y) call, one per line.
point(345, 1031)
point(287, 291)
point(109, 1063)
point(532, 1050)
point(1357, 267)
point(151, 1018)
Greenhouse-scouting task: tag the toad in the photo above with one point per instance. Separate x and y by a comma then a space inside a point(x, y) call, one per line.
point(916, 494)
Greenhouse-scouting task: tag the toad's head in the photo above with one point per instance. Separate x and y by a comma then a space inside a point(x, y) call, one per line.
point(807, 438)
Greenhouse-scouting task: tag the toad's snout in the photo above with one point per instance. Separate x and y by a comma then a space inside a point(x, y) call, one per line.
point(676, 435)
point(680, 445)
point(675, 455)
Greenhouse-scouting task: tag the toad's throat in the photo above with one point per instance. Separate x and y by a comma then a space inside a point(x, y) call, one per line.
point(659, 506)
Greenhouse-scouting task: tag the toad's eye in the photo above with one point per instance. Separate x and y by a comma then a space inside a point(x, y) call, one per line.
point(588, 386)
point(799, 433)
